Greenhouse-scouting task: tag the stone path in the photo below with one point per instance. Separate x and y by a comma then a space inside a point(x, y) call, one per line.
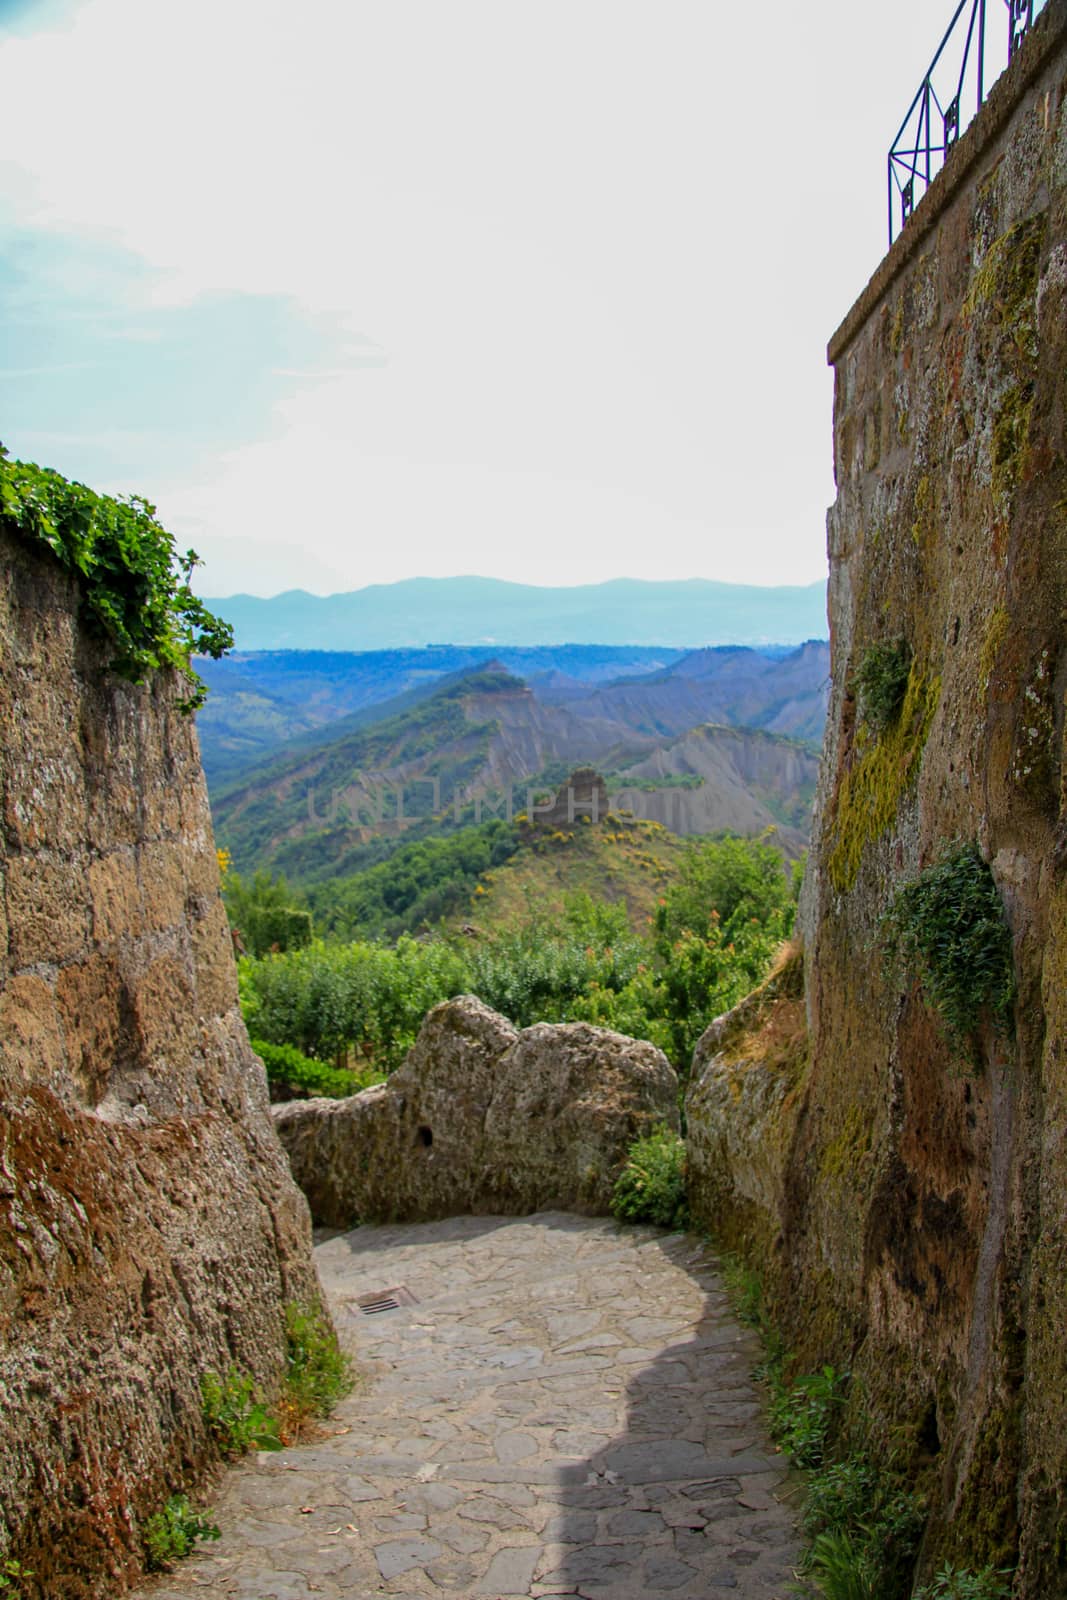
point(564, 1408)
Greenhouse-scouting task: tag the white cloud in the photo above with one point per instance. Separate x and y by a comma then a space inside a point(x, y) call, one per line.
point(599, 246)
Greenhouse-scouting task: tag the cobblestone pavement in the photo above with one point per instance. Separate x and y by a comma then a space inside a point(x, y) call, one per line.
point(563, 1408)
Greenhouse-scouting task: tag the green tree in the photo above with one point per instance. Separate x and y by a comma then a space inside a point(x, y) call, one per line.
point(262, 913)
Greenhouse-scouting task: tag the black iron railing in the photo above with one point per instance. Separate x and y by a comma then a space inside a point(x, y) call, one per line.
point(971, 57)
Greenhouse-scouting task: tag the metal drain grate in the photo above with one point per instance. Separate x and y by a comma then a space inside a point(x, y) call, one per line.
point(372, 1305)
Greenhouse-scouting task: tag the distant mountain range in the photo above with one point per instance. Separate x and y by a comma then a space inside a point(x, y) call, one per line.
point(490, 613)
point(264, 705)
point(323, 801)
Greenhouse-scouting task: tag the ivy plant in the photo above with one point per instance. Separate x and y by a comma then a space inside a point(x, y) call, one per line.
point(134, 583)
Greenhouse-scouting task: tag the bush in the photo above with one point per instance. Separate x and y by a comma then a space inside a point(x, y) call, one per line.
point(651, 1186)
point(365, 997)
point(882, 683)
point(294, 1076)
point(949, 925)
point(12, 1572)
point(236, 1414)
point(170, 1534)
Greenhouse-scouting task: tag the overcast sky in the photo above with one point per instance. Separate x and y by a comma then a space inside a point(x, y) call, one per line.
point(359, 290)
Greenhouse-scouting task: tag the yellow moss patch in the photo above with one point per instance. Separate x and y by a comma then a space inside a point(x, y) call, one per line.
point(848, 1149)
point(994, 638)
point(1011, 433)
point(870, 791)
point(1006, 282)
point(923, 504)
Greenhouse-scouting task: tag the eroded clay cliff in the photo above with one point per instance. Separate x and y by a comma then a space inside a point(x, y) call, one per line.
point(149, 1228)
point(907, 1208)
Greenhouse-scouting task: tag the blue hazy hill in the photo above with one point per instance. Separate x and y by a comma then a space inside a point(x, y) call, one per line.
point(489, 613)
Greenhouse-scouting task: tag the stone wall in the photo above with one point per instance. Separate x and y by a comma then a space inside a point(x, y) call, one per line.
point(482, 1119)
point(909, 1213)
point(149, 1228)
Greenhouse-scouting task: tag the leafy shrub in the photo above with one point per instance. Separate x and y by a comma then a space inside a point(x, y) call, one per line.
point(125, 561)
point(295, 1075)
point(318, 1372)
point(953, 1583)
point(651, 1186)
point(236, 1414)
point(802, 1414)
point(170, 1534)
point(12, 1572)
point(950, 926)
point(882, 683)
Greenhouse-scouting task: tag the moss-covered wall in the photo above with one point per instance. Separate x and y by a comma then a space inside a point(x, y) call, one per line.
point(920, 1236)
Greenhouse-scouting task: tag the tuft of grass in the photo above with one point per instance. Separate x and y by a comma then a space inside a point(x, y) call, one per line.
point(652, 1185)
point(318, 1374)
point(863, 1521)
point(841, 1568)
point(170, 1534)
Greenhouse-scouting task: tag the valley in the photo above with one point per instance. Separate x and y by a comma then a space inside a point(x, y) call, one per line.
point(710, 741)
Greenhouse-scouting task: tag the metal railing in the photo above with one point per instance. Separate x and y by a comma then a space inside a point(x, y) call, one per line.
point(955, 83)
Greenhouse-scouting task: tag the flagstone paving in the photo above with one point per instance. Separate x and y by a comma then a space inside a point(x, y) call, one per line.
point(564, 1408)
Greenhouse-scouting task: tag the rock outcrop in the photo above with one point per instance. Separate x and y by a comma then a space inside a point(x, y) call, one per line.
point(741, 1110)
point(482, 1119)
point(905, 1204)
point(149, 1228)
point(585, 794)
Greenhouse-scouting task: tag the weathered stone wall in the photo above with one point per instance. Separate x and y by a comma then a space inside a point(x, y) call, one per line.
point(912, 1217)
point(482, 1119)
point(149, 1228)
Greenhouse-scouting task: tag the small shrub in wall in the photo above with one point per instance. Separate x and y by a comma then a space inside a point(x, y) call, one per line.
point(949, 927)
point(882, 682)
point(651, 1186)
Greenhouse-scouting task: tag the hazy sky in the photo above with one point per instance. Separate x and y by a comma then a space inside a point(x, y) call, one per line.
point(361, 291)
